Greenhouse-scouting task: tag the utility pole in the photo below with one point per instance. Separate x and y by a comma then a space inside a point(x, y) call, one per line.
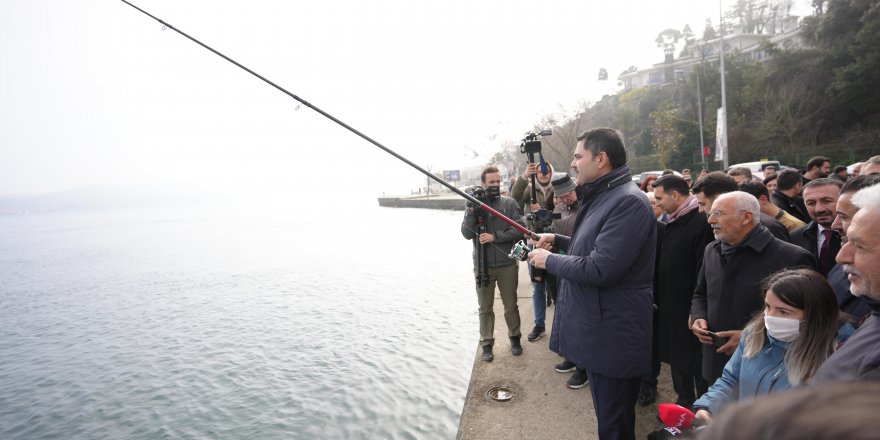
point(723, 142)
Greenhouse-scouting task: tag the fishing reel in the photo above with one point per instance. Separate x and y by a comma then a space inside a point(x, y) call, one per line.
point(519, 251)
point(531, 144)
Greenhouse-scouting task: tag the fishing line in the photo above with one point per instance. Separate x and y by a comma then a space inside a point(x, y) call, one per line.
point(435, 205)
point(477, 203)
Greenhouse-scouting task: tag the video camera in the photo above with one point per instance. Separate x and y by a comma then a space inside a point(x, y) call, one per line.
point(482, 194)
point(542, 220)
point(531, 144)
point(477, 192)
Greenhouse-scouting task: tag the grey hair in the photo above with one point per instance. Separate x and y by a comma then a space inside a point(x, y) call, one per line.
point(868, 198)
point(743, 201)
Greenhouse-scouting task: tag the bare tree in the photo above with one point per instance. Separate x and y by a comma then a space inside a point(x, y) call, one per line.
point(665, 136)
point(566, 126)
point(789, 114)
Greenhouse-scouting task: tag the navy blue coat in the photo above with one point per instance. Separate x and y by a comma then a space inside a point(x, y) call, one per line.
point(604, 311)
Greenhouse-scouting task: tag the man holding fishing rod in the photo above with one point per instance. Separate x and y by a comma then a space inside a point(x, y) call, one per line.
point(493, 239)
point(603, 316)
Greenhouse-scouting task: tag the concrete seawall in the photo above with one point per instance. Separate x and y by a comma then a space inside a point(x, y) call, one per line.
point(434, 201)
point(544, 407)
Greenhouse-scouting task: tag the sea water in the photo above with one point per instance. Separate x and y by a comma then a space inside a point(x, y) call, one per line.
point(278, 321)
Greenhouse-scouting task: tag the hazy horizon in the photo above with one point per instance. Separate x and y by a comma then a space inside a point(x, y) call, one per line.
point(97, 93)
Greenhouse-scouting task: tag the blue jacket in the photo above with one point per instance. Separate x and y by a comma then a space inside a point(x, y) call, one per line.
point(744, 378)
point(604, 310)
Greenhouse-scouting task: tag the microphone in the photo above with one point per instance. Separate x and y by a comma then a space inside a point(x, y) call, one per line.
point(667, 433)
point(675, 416)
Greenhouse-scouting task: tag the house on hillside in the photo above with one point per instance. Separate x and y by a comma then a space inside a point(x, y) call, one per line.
point(788, 36)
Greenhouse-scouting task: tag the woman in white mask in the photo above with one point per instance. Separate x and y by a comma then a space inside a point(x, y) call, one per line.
point(783, 345)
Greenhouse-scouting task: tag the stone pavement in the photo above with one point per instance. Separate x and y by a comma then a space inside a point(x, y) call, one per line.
point(544, 408)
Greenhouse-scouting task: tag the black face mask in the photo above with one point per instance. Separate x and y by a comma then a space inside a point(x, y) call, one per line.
point(493, 191)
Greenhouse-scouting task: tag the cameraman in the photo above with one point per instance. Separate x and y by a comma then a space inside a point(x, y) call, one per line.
point(492, 246)
point(522, 193)
point(522, 189)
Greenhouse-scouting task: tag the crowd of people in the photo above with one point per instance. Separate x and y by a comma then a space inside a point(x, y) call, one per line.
point(744, 286)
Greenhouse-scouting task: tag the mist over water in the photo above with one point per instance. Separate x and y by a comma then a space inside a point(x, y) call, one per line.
point(330, 319)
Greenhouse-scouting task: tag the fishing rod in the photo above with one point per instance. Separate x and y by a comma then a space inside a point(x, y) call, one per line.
point(476, 202)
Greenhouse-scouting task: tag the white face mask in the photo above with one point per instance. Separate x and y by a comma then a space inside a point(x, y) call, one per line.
point(782, 329)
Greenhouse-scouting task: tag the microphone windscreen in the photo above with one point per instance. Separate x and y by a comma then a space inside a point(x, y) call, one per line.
point(675, 415)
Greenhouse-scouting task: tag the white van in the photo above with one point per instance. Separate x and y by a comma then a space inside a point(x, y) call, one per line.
point(757, 168)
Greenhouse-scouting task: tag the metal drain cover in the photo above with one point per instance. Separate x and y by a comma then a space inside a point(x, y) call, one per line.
point(500, 394)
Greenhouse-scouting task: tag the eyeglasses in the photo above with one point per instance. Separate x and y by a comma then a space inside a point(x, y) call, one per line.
point(717, 213)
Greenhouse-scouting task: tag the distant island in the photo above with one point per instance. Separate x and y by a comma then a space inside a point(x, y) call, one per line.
point(91, 197)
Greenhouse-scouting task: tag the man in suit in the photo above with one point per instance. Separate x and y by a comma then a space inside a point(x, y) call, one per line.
point(859, 358)
point(817, 237)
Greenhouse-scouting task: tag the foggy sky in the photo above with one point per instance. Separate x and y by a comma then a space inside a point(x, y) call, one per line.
point(94, 92)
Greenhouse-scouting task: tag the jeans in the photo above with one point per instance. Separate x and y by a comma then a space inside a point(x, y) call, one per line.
point(539, 300)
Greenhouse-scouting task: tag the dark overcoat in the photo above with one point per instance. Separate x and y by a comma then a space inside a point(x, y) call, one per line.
point(603, 314)
point(777, 229)
point(728, 289)
point(681, 257)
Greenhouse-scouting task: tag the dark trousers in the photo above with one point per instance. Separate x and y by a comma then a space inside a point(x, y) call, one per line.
point(615, 404)
point(651, 379)
point(688, 383)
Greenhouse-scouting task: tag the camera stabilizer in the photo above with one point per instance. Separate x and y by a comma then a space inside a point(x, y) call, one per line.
point(480, 193)
point(541, 220)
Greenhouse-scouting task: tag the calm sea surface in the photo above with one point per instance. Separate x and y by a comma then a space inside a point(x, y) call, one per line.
point(300, 321)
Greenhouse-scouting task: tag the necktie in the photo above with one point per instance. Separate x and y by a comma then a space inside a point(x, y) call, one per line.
point(825, 259)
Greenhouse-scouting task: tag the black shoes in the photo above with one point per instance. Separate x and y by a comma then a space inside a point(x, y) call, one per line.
point(515, 346)
point(578, 379)
point(536, 334)
point(565, 366)
point(487, 355)
point(647, 395)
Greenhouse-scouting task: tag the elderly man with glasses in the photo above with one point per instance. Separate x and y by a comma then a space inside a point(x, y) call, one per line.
point(728, 286)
